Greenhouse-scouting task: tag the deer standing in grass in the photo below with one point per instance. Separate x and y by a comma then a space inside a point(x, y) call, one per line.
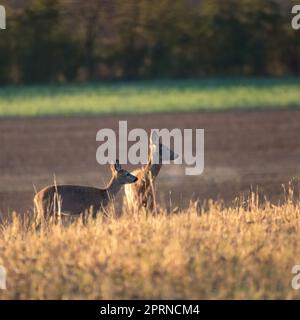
point(142, 194)
point(74, 200)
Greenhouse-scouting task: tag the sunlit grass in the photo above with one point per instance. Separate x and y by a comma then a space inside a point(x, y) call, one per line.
point(149, 96)
point(245, 251)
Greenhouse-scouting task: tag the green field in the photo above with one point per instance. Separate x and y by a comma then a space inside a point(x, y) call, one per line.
point(149, 96)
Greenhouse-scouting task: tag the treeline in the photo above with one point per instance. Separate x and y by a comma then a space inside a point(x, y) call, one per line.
point(77, 40)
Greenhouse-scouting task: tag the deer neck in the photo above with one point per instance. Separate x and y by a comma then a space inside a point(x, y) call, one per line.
point(153, 168)
point(113, 187)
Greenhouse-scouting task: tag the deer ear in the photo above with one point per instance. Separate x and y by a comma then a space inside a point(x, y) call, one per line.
point(117, 166)
point(154, 138)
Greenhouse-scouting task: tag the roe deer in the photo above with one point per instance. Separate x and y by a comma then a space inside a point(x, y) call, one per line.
point(142, 194)
point(75, 200)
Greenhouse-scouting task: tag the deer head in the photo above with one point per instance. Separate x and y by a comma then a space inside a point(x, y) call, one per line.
point(122, 175)
point(160, 152)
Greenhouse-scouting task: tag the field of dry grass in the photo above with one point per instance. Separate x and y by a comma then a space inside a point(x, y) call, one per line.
point(244, 251)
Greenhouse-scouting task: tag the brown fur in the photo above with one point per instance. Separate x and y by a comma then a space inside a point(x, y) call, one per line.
point(142, 194)
point(74, 200)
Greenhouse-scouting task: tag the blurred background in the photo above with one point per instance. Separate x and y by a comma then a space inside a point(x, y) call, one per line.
point(71, 67)
point(58, 41)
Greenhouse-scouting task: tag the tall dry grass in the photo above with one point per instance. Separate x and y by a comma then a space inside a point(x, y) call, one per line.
point(244, 251)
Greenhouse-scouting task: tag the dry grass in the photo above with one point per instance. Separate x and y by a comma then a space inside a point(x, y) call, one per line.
point(239, 252)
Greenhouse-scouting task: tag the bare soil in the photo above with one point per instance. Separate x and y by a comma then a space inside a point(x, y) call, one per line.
point(242, 149)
